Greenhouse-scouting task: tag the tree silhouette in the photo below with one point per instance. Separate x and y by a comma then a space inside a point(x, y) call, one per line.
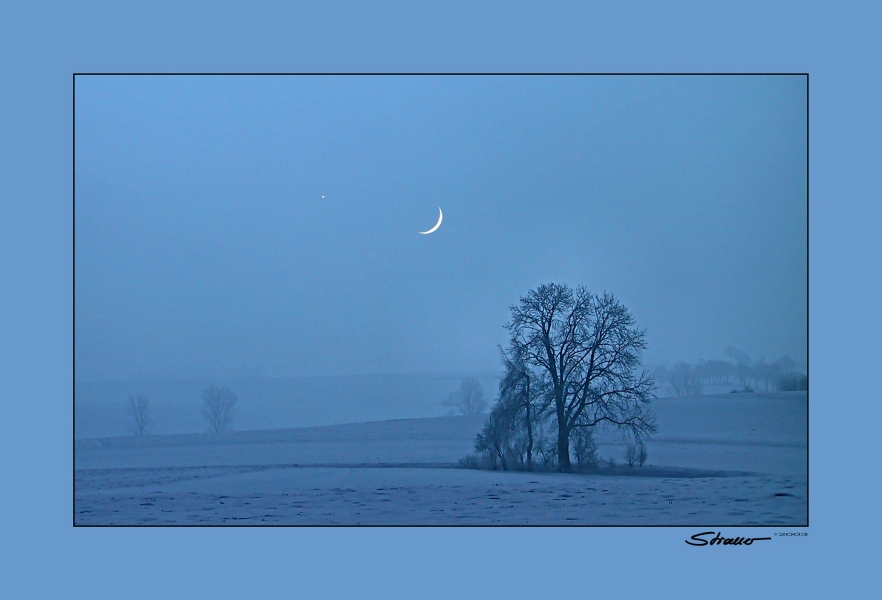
point(218, 408)
point(469, 400)
point(589, 348)
point(139, 410)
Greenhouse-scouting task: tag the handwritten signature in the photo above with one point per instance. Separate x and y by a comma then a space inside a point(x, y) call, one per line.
point(718, 539)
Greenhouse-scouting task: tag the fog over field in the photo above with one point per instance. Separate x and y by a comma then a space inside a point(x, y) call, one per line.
point(369, 299)
point(272, 403)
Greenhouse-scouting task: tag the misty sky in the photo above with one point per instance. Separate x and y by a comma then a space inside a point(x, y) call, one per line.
point(269, 224)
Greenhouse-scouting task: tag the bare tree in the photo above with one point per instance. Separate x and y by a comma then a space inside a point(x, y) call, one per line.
point(585, 448)
point(589, 348)
point(631, 454)
point(139, 410)
point(493, 440)
point(642, 454)
point(507, 438)
point(469, 400)
point(218, 408)
point(636, 453)
point(716, 371)
point(740, 364)
point(684, 380)
point(525, 394)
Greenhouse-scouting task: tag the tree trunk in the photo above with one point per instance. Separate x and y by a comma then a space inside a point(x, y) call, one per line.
point(501, 455)
point(529, 435)
point(563, 449)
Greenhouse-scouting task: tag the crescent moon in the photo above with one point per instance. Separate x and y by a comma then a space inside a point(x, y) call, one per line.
point(437, 225)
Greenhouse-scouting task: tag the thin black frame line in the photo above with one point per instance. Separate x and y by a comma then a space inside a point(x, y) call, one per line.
point(417, 526)
point(73, 243)
point(430, 73)
point(808, 361)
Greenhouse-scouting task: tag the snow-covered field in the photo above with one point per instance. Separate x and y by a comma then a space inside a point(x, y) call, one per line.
point(729, 460)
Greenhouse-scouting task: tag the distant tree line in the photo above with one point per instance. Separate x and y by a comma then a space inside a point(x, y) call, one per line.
point(218, 411)
point(736, 368)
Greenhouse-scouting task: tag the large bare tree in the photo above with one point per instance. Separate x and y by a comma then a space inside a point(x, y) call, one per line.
point(218, 408)
point(589, 348)
point(139, 411)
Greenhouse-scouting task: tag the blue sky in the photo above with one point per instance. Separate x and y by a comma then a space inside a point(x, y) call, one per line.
point(203, 240)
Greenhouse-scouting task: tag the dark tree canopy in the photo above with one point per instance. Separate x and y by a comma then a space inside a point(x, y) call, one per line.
point(588, 347)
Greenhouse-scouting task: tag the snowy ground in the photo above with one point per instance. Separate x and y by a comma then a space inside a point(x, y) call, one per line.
point(729, 460)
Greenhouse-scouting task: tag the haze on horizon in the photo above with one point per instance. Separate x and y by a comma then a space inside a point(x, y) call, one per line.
point(269, 225)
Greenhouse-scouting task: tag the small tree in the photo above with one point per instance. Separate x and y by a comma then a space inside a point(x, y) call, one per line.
point(469, 400)
point(642, 454)
point(139, 410)
point(631, 454)
point(585, 448)
point(636, 453)
point(526, 395)
point(218, 408)
point(546, 447)
point(494, 438)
